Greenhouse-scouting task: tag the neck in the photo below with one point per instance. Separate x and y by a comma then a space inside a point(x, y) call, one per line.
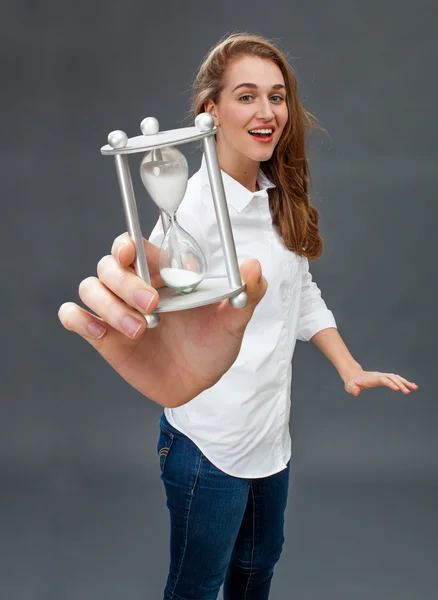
point(241, 168)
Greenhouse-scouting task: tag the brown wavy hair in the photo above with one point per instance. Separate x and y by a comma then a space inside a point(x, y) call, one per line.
point(296, 219)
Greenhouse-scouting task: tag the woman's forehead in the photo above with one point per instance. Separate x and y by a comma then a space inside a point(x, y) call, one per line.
point(252, 69)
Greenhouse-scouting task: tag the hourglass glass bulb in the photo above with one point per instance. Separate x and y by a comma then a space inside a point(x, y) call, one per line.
point(182, 263)
point(164, 173)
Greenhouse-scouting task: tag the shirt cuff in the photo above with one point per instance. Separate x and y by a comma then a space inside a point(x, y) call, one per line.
point(314, 322)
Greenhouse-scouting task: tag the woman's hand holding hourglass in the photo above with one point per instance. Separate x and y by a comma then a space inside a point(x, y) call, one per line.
point(189, 351)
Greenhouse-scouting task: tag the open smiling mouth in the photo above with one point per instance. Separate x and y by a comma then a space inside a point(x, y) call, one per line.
point(262, 135)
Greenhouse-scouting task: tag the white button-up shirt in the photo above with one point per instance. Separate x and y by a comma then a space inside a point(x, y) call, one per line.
point(241, 424)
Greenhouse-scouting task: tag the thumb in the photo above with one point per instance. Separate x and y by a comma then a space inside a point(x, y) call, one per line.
point(255, 287)
point(255, 284)
point(353, 389)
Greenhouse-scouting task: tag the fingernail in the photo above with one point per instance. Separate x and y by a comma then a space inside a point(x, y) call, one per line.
point(131, 326)
point(96, 330)
point(119, 249)
point(143, 298)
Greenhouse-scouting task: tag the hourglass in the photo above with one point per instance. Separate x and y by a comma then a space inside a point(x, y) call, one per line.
point(164, 173)
point(182, 263)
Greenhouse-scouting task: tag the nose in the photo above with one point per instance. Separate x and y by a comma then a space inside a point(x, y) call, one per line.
point(265, 111)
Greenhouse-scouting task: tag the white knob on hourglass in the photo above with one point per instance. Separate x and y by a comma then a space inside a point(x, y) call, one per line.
point(117, 139)
point(149, 126)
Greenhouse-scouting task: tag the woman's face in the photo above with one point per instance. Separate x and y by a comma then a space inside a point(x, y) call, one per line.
point(252, 110)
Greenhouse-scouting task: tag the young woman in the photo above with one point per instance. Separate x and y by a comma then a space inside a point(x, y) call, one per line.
point(224, 443)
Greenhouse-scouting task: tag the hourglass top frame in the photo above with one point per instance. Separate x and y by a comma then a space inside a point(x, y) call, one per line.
point(209, 290)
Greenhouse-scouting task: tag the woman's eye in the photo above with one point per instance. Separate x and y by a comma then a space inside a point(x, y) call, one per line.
point(248, 97)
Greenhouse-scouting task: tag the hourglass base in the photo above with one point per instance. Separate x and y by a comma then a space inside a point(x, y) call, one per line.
point(210, 290)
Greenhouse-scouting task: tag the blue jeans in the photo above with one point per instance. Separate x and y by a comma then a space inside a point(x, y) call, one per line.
point(223, 529)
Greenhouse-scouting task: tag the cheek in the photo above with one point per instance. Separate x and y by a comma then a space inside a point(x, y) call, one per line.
point(236, 118)
point(282, 119)
point(284, 115)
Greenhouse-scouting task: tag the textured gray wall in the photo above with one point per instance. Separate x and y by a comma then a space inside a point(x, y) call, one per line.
point(82, 509)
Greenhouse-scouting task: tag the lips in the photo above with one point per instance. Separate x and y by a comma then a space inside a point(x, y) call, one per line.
point(262, 139)
point(262, 134)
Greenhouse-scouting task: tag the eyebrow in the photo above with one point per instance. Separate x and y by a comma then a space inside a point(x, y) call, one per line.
point(277, 86)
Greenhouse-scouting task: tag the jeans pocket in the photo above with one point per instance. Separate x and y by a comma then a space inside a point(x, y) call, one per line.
point(165, 442)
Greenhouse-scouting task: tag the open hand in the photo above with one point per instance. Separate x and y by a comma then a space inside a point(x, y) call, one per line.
point(369, 379)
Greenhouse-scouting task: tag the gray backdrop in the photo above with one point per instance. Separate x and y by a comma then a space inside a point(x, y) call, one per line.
point(82, 507)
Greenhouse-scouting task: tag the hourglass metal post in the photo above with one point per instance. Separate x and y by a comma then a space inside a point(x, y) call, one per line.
point(130, 210)
point(117, 140)
point(222, 215)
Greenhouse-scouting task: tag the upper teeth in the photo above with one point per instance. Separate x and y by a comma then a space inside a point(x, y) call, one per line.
point(260, 131)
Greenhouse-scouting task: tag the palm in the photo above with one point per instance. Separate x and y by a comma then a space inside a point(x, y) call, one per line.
point(188, 352)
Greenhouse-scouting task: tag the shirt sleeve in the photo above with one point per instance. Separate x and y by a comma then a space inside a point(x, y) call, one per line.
point(314, 314)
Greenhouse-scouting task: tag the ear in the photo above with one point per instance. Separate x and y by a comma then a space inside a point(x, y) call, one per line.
point(211, 108)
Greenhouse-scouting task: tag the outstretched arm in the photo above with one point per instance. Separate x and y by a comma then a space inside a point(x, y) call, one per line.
point(354, 377)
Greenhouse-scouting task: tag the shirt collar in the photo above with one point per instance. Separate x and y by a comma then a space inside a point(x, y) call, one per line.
point(236, 194)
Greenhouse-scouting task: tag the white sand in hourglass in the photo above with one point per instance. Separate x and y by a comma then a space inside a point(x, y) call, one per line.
point(180, 278)
point(168, 186)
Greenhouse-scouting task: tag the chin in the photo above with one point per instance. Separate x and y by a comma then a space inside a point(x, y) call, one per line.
point(264, 156)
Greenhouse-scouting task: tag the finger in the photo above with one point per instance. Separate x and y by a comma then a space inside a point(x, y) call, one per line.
point(353, 388)
point(111, 308)
point(388, 382)
point(399, 382)
point(256, 285)
point(123, 250)
point(410, 384)
point(127, 286)
point(111, 345)
point(76, 319)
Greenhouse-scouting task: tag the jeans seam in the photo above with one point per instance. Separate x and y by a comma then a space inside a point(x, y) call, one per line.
point(253, 542)
point(197, 474)
point(172, 593)
point(166, 429)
